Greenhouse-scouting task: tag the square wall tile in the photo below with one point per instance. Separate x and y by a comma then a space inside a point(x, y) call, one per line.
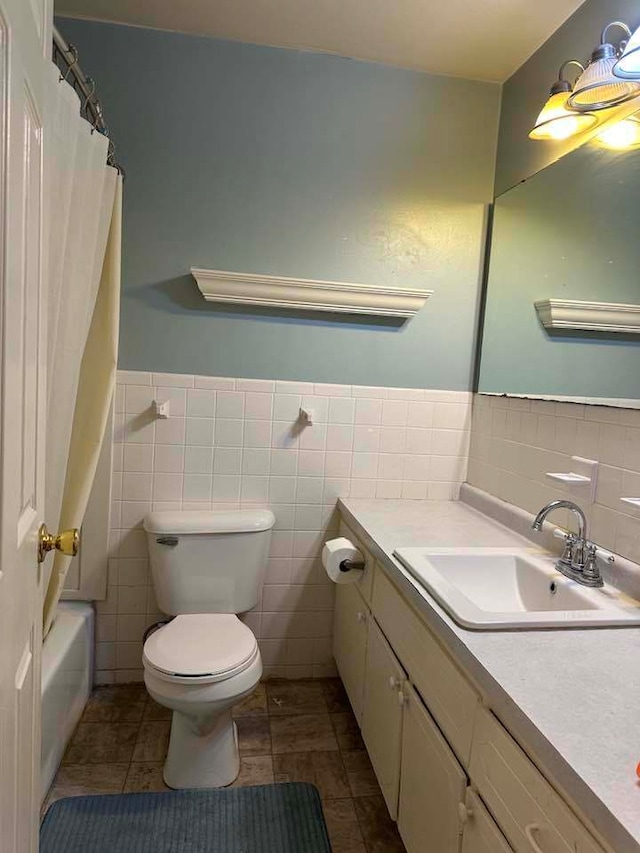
point(199, 432)
point(197, 487)
point(257, 434)
point(200, 460)
point(258, 406)
point(256, 461)
point(228, 433)
point(201, 403)
point(230, 404)
point(168, 458)
point(167, 487)
point(137, 457)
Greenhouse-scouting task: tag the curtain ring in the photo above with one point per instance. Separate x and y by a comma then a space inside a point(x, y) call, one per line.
point(97, 110)
point(73, 50)
point(92, 83)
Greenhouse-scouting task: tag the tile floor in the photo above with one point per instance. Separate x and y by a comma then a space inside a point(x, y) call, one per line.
point(289, 731)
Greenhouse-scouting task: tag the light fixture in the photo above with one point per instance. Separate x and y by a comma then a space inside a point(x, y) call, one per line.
point(555, 120)
point(598, 88)
point(621, 136)
point(628, 66)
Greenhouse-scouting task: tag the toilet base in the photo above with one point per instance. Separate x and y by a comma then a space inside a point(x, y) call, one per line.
point(202, 761)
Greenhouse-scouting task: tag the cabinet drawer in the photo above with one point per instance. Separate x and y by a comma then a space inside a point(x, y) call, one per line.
point(365, 584)
point(446, 692)
point(524, 804)
point(350, 642)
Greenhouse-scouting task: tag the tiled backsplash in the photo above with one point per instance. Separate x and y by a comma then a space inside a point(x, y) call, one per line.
point(230, 443)
point(516, 441)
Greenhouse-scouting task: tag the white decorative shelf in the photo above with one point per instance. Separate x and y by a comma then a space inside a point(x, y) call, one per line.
point(584, 479)
point(569, 477)
point(302, 293)
point(633, 501)
point(589, 316)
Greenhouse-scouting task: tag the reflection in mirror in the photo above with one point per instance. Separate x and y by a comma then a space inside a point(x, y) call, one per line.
point(570, 232)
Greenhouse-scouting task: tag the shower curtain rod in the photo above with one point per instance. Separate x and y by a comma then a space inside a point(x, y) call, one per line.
point(91, 108)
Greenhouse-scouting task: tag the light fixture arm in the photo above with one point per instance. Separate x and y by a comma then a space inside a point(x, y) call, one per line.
point(621, 24)
point(562, 84)
point(569, 62)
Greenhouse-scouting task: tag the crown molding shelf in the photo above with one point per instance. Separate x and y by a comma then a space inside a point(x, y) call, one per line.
point(302, 293)
point(589, 316)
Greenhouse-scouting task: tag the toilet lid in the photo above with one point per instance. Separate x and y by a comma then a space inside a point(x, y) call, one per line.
point(201, 644)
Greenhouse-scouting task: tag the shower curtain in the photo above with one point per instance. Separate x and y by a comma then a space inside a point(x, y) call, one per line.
point(82, 232)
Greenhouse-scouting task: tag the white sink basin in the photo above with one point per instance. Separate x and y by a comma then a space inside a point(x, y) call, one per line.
point(501, 588)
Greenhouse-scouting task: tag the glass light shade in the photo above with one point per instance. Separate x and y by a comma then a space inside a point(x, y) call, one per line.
point(622, 135)
point(557, 122)
point(598, 88)
point(628, 66)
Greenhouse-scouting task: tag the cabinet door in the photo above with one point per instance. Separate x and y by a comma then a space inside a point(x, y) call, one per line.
point(382, 714)
point(350, 642)
point(481, 833)
point(432, 785)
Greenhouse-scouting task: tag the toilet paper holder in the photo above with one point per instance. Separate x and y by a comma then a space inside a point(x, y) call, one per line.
point(348, 565)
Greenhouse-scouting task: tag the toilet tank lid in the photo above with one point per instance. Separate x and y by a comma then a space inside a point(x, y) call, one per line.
point(231, 521)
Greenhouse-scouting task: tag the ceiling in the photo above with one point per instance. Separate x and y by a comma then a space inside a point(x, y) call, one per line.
point(482, 40)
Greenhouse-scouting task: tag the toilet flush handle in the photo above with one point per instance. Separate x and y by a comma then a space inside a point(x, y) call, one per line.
point(167, 540)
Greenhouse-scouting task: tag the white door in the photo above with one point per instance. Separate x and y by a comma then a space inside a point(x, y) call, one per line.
point(25, 29)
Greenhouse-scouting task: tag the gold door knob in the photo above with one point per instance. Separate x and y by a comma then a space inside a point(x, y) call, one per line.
point(67, 542)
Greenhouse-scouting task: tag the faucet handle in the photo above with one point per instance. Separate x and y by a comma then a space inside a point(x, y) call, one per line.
point(591, 571)
point(569, 543)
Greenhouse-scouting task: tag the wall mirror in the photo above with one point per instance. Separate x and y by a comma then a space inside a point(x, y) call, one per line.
point(568, 234)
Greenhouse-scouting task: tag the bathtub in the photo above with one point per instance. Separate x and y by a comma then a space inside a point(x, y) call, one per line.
point(67, 676)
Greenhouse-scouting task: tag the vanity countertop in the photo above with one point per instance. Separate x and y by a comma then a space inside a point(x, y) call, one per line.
point(571, 697)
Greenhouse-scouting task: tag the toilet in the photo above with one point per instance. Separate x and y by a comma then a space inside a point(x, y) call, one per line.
point(206, 567)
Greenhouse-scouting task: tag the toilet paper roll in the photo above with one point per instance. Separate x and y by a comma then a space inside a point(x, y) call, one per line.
point(338, 557)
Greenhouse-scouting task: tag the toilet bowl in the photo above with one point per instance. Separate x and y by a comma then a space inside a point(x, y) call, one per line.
point(200, 666)
point(206, 567)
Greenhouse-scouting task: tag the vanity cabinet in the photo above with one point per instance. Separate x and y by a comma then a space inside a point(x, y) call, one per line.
point(382, 714)
point(450, 773)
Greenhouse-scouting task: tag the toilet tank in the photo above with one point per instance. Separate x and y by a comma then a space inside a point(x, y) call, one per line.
point(208, 562)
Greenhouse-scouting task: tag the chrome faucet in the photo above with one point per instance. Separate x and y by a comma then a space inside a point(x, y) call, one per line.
point(578, 560)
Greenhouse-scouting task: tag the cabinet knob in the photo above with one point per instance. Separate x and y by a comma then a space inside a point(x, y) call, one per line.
point(361, 617)
point(464, 813)
point(393, 682)
point(401, 697)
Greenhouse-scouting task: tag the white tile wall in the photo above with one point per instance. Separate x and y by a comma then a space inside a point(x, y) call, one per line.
point(235, 442)
point(516, 441)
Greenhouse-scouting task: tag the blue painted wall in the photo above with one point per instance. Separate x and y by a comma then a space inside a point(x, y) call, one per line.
point(274, 161)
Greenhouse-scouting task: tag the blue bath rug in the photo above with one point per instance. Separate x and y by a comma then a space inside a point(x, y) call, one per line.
point(285, 818)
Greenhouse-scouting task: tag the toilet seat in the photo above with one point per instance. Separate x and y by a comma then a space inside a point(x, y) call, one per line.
point(200, 648)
